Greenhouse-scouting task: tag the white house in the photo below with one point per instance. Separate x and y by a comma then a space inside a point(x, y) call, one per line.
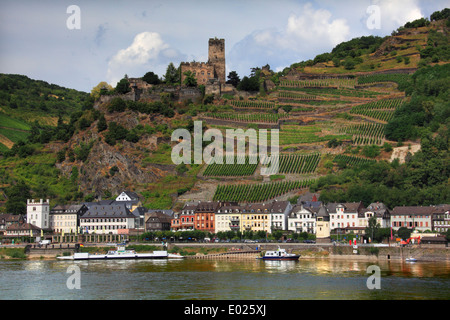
point(38, 213)
point(107, 219)
point(65, 218)
point(127, 196)
point(227, 218)
point(344, 215)
point(412, 217)
point(302, 219)
point(279, 215)
point(378, 210)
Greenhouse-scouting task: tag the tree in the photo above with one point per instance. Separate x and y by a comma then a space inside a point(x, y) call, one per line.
point(233, 79)
point(372, 229)
point(349, 63)
point(172, 75)
point(117, 105)
point(123, 86)
point(100, 89)
point(151, 78)
point(404, 233)
point(17, 198)
point(190, 79)
point(101, 124)
point(249, 84)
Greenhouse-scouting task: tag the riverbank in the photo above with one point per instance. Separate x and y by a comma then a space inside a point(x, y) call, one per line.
point(246, 251)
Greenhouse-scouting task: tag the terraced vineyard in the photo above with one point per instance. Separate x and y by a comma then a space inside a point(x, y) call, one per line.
point(352, 160)
point(365, 133)
point(289, 95)
point(242, 104)
point(320, 83)
point(231, 169)
point(296, 163)
point(249, 118)
point(382, 110)
point(399, 78)
point(258, 192)
point(291, 134)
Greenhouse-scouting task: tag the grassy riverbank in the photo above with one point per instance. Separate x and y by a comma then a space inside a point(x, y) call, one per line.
point(12, 253)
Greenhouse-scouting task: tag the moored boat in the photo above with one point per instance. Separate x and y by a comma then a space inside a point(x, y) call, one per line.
point(411, 259)
point(121, 253)
point(279, 254)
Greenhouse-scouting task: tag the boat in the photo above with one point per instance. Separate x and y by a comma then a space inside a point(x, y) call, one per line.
point(279, 254)
point(411, 259)
point(121, 253)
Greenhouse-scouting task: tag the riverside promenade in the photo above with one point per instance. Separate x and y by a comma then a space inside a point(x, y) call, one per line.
point(252, 250)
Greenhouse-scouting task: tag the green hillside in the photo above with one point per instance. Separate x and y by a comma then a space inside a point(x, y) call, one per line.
point(24, 101)
point(342, 118)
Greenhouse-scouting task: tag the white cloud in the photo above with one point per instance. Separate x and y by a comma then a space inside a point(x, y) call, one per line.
point(148, 52)
point(316, 27)
point(306, 34)
point(396, 13)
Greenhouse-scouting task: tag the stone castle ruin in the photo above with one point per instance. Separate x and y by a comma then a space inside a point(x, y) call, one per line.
point(211, 74)
point(214, 69)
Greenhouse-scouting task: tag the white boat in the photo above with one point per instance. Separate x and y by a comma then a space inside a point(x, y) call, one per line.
point(122, 253)
point(411, 259)
point(279, 254)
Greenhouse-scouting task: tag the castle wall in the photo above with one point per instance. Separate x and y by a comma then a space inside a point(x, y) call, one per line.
point(202, 71)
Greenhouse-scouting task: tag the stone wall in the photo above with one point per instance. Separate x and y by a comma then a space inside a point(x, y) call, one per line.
point(203, 72)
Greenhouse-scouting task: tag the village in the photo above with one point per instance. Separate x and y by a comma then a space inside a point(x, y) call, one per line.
point(125, 217)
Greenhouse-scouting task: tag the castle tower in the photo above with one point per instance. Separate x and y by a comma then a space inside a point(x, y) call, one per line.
point(216, 57)
point(38, 213)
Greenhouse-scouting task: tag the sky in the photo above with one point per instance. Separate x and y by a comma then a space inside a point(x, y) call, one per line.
point(79, 43)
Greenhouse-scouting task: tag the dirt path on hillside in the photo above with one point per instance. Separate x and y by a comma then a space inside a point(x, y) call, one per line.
point(4, 140)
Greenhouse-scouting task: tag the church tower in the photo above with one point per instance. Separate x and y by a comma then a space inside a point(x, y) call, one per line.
point(216, 57)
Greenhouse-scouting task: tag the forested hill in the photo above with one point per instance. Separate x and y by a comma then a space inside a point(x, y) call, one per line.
point(24, 102)
point(28, 100)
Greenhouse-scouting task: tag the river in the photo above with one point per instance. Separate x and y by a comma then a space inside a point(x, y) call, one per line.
point(221, 280)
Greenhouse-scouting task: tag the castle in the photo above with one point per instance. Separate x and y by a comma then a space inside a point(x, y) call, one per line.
point(211, 74)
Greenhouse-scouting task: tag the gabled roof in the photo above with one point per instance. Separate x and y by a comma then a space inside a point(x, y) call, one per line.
point(413, 210)
point(22, 226)
point(130, 194)
point(207, 206)
point(108, 211)
point(279, 206)
point(68, 208)
point(233, 208)
point(159, 216)
point(258, 207)
point(349, 207)
point(11, 218)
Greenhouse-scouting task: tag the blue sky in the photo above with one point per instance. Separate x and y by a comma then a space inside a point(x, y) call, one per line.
point(132, 37)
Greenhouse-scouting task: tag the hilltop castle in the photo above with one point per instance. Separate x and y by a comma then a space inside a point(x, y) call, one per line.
point(210, 74)
point(211, 71)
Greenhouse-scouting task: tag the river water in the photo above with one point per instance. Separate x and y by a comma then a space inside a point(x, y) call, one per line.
point(221, 280)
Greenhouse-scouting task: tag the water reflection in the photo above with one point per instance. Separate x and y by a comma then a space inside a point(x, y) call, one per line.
point(279, 266)
point(224, 279)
